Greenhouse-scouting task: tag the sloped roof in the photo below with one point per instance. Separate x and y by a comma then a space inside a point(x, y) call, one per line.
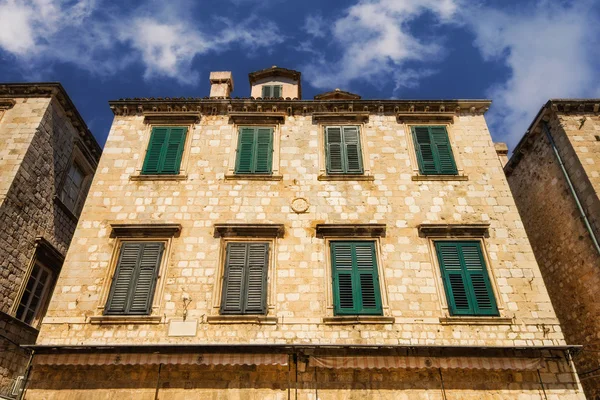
point(337, 94)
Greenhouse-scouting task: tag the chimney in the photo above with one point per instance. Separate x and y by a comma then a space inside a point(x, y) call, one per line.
point(221, 84)
point(502, 151)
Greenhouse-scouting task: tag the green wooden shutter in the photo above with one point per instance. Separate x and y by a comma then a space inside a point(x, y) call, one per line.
point(267, 91)
point(333, 143)
point(256, 279)
point(135, 277)
point(434, 152)
point(264, 151)
point(158, 138)
point(355, 279)
point(165, 149)
point(146, 276)
point(245, 280)
point(277, 89)
point(353, 156)
point(245, 151)
point(466, 280)
point(442, 151)
point(174, 150)
point(233, 281)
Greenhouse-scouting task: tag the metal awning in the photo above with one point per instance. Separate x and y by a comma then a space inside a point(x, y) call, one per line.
point(158, 358)
point(389, 362)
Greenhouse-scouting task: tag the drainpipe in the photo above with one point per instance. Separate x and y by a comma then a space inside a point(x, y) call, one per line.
point(564, 170)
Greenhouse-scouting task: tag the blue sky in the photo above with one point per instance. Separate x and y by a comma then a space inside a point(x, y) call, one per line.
point(517, 53)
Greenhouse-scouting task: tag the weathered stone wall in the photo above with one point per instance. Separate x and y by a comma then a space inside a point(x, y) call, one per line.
point(280, 383)
point(300, 300)
point(561, 243)
point(13, 359)
point(36, 141)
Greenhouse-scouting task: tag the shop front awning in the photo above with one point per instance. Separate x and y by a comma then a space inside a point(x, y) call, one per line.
point(159, 358)
point(389, 362)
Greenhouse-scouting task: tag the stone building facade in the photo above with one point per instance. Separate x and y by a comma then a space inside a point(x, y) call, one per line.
point(554, 175)
point(47, 161)
point(280, 248)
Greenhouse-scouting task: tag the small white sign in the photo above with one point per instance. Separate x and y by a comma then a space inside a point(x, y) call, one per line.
point(183, 328)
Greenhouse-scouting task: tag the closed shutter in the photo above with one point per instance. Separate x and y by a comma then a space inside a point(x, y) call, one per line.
point(266, 91)
point(135, 277)
point(343, 150)
point(255, 151)
point(165, 149)
point(333, 143)
point(264, 150)
point(355, 279)
point(174, 150)
point(277, 91)
point(353, 156)
point(158, 138)
point(245, 280)
point(434, 152)
point(245, 151)
point(466, 280)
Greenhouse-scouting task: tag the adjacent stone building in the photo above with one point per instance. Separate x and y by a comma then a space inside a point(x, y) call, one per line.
point(272, 247)
point(554, 175)
point(47, 161)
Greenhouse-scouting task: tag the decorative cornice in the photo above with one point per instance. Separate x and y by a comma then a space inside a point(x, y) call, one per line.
point(53, 89)
point(552, 107)
point(350, 230)
point(48, 254)
point(454, 230)
point(249, 230)
point(222, 106)
point(273, 71)
point(145, 230)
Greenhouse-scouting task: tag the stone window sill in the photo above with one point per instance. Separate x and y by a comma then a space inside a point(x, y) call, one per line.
point(165, 177)
point(358, 319)
point(241, 319)
point(419, 178)
point(476, 321)
point(253, 177)
point(125, 319)
point(346, 177)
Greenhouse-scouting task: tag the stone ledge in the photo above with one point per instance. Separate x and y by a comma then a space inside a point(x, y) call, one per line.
point(358, 319)
point(65, 209)
point(419, 178)
point(329, 117)
point(6, 104)
point(454, 230)
point(438, 116)
point(476, 321)
point(184, 118)
point(249, 117)
point(253, 177)
point(241, 319)
point(350, 230)
point(158, 177)
point(125, 319)
point(346, 177)
point(249, 230)
point(144, 230)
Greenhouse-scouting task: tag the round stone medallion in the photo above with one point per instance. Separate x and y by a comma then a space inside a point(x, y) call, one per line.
point(300, 205)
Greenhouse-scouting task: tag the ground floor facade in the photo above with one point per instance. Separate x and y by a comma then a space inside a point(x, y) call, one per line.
point(309, 374)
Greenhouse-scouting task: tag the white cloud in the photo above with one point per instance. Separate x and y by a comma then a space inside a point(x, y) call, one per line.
point(375, 40)
point(548, 47)
point(315, 26)
point(103, 40)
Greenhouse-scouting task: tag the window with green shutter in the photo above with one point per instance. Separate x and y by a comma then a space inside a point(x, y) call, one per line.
point(467, 284)
point(135, 278)
point(434, 152)
point(355, 279)
point(245, 279)
point(342, 148)
point(164, 150)
point(254, 151)
point(272, 91)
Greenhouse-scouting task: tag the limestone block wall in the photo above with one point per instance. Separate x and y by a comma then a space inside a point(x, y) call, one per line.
point(299, 280)
point(12, 357)
point(560, 241)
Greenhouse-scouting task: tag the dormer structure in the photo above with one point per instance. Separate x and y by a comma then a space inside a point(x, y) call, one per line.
point(337, 94)
point(275, 82)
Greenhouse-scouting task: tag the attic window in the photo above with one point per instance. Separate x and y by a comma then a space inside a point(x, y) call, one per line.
point(271, 91)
